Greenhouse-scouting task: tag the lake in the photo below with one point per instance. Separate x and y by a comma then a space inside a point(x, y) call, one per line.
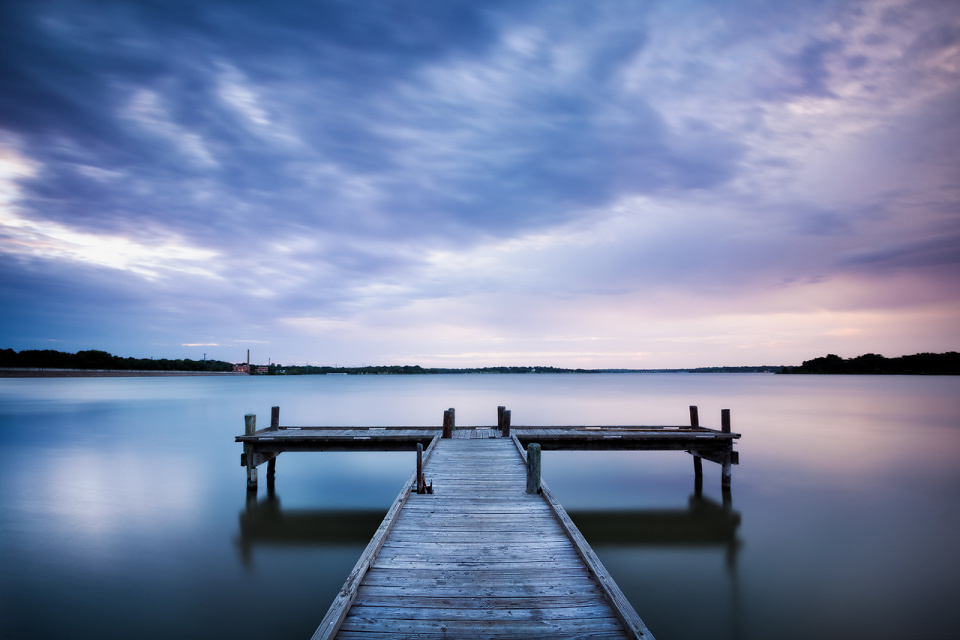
point(123, 506)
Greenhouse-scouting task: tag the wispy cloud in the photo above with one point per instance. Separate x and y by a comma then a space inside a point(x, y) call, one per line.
point(385, 181)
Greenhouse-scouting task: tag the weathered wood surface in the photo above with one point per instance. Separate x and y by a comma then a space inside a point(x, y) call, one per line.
point(478, 558)
point(341, 604)
point(550, 438)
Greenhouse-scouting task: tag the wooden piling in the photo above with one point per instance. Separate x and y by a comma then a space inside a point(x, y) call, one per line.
point(420, 479)
point(727, 472)
point(727, 457)
point(533, 468)
point(249, 428)
point(500, 411)
point(274, 418)
point(448, 425)
point(506, 424)
point(697, 462)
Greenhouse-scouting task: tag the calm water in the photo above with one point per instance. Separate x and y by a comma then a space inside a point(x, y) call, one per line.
point(123, 506)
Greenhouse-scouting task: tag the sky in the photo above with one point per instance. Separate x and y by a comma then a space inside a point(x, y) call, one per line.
point(602, 184)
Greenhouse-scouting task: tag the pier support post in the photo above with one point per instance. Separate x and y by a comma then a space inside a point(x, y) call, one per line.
point(274, 418)
point(448, 423)
point(727, 473)
point(533, 468)
point(697, 462)
point(506, 423)
point(249, 428)
point(420, 479)
point(500, 411)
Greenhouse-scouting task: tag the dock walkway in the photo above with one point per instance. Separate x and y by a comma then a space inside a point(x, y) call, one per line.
point(471, 548)
point(479, 558)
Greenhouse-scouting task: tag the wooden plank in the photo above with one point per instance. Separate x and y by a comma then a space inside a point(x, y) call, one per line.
point(492, 611)
point(483, 628)
point(491, 634)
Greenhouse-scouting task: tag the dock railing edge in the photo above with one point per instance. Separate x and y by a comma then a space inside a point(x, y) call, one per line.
point(624, 611)
point(331, 622)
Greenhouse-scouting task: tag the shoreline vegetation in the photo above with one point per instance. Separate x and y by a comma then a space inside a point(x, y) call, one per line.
point(92, 363)
point(920, 364)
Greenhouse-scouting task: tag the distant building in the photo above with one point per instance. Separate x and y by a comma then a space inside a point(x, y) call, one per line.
point(241, 368)
point(263, 369)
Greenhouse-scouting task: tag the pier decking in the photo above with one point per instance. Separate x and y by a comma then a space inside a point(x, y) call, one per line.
point(470, 548)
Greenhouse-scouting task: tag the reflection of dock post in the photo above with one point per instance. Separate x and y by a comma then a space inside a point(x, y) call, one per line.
point(727, 456)
point(249, 428)
point(697, 461)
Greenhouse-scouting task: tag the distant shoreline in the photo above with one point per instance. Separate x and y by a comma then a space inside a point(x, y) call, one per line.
point(34, 372)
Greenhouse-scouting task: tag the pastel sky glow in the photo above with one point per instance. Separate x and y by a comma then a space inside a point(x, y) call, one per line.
point(614, 183)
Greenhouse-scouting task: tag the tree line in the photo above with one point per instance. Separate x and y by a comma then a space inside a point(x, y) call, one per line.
point(92, 359)
point(944, 364)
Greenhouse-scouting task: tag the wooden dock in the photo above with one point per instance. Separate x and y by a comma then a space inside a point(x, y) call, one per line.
point(475, 545)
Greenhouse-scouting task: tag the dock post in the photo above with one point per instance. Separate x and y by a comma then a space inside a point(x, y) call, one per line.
point(727, 472)
point(694, 417)
point(506, 423)
point(249, 428)
point(533, 468)
point(420, 479)
point(448, 423)
point(274, 418)
point(500, 411)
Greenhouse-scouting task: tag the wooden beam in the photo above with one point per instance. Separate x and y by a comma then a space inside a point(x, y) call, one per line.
point(259, 458)
point(716, 456)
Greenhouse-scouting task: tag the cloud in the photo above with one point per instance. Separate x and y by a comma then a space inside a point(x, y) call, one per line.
point(333, 165)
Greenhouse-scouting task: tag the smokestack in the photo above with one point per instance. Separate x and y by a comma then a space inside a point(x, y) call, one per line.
point(248, 357)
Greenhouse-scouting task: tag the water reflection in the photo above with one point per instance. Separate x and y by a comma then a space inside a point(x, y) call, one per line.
point(265, 522)
point(703, 523)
